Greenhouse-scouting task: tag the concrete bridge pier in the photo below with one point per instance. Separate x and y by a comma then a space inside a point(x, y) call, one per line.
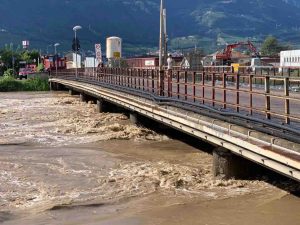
point(133, 116)
point(227, 165)
point(51, 85)
point(72, 92)
point(83, 97)
point(55, 86)
point(87, 98)
point(100, 105)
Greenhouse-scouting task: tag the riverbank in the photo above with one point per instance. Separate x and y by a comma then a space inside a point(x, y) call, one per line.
point(9, 84)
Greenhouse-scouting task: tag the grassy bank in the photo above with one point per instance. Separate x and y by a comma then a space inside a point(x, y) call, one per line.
point(34, 84)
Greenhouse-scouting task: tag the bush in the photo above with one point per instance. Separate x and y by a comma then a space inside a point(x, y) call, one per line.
point(8, 73)
point(35, 84)
point(40, 68)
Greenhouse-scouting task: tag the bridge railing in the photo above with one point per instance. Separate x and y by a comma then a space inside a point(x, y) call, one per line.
point(255, 70)
point(272, 98)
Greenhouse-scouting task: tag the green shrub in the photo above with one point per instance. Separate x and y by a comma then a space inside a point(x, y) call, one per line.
point(35, 84)
point(8, 73)
point(40, 67)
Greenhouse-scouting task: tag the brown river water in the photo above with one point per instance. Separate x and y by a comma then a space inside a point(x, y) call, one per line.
point(63, 163)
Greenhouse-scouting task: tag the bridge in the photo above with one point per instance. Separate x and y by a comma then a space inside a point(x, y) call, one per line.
point(255, 116)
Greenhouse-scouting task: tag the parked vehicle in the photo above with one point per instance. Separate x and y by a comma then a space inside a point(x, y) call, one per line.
point(23, 73)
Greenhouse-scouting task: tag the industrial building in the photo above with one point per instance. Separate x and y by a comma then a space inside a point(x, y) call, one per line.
point(149, 62)
point(71, 60)
point(290, 58)
point(49, 62)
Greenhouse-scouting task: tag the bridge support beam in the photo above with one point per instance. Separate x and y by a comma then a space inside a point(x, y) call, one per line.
point(226, 165)
point(133, 117)
point(53, 86)
point(100, 106)
point(83, 97)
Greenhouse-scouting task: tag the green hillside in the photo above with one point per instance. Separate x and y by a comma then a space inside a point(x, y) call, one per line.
point(137, 22)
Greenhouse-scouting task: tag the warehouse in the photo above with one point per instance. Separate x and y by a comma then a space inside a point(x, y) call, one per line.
point(149, 62)
point(290, 58)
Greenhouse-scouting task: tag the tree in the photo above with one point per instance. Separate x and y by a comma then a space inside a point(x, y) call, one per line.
point(6, 58)
point(25, 56)
point(10, 58)
point(9, 73)
point(40, 67)
point(271, 47)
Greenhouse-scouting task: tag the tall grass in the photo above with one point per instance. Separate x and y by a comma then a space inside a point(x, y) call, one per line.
point(8, 84)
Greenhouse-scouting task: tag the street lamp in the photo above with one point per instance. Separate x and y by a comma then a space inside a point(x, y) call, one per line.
point(162, 45)
point(55, 50)
point(161, 36)
point(75, 29)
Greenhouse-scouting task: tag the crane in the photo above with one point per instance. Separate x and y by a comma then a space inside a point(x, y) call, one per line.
point(227, 52)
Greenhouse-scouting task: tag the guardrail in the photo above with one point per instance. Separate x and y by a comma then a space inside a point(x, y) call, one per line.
point(269, 98)
point(255, 70)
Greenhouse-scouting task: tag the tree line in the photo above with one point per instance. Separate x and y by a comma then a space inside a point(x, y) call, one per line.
point(272, 47)
point(10, 59)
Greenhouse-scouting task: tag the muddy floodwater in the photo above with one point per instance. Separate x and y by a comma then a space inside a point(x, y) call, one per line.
point(63, 163)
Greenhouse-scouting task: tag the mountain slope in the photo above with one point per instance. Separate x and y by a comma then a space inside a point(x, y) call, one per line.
point(137, 21)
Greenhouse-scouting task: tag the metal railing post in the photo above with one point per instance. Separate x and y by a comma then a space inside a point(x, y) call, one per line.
point(194, 86)
point(143, 81)
point(213, 90)
point(185, 86)
point(147, 80)
point(237, 92)
point(250, 94)
point(203, 87)
point(287, 101)
point(161, 82)
point(178, 84)
point(169, 83)
point(267, 97)
point(224, 91)
point(152, 82)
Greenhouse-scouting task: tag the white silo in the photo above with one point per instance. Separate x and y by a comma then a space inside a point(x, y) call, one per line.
point(113, 48)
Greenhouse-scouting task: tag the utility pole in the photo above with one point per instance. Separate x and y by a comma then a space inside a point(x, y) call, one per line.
point(162, 47)
point(161, 36)
point(56, 57)
point(75, 29)
point(165, 37)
